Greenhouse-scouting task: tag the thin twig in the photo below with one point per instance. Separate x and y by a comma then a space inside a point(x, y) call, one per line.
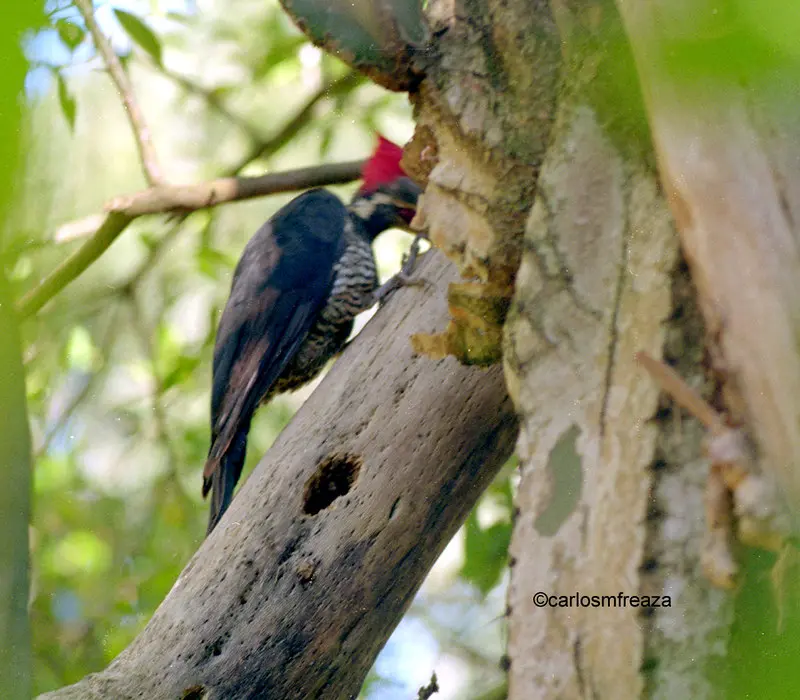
point(107, 341)
point(213, 101)
point(113, 224)
point(159, 200)
point(428, 691)
point(74, 265)
point(141, 132)
point(303, 116)
point(676, 387)
point(189, 198)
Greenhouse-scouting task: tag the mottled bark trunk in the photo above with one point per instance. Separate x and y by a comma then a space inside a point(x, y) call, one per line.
point(611, 499)
point(611, 494)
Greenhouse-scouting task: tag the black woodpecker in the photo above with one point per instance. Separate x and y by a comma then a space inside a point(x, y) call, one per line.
point(301, 281)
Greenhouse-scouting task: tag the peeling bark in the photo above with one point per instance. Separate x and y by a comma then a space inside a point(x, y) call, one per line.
point(484, 113)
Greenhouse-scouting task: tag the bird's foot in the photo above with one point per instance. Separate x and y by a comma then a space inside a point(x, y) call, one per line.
point(403, 278)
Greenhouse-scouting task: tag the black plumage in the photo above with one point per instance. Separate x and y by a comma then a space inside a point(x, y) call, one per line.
point(301, 280)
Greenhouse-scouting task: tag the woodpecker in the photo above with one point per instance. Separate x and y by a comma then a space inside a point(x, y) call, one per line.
point(301, 281)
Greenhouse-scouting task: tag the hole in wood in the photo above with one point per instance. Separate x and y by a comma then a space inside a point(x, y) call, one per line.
point(333, 478)
point(195, 692)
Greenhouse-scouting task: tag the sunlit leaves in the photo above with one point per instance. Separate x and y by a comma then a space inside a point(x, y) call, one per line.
point(214, 263)
point(66, 100)
point(79, 552)
point(140, 33)
point(52, 474)
point(80, 349)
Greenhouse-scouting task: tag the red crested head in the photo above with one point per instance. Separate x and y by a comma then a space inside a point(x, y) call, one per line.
point(383, 166)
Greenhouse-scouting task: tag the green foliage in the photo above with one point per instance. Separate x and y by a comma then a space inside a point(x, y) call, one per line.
point(70, 33)
point(119, 364)
point(731, 39)
point(65, 100)
point(141, 34)
point(486, 548)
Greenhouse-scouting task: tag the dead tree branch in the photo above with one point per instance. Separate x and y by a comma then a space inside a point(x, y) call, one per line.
point(160, 200)
point(123, 210)
point(301, 584)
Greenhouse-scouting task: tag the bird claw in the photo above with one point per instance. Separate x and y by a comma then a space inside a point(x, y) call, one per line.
point(403, 278)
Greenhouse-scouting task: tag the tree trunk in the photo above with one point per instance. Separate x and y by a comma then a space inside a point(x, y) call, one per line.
point(321, 552)
point(611, 495)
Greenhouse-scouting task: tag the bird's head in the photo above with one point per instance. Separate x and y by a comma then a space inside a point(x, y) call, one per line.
point(387, 197)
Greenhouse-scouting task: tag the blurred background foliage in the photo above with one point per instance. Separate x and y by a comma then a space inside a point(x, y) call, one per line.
point(118, 364)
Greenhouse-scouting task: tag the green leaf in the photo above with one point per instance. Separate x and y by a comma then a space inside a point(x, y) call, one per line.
point(213, 263)
point(179, 17)
point(70, 33)
point(485, 553)
point(149, 239)
point(81, 552)
point(140, 33)
point(181, 370)
point(80, 349)
point(66, 101)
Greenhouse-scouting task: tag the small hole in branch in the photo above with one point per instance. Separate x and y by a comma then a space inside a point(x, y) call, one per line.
point(333, 478)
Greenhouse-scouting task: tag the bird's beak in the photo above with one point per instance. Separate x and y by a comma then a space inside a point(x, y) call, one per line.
point(405, 202)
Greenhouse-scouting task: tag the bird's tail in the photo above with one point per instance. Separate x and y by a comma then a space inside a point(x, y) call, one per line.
point(223, 477)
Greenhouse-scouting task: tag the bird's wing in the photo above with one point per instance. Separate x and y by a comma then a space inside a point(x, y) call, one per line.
point(280, 284)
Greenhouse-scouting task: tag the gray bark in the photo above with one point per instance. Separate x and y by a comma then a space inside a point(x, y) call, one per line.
point(292, 596)
point(611, 495)
point(611, 498)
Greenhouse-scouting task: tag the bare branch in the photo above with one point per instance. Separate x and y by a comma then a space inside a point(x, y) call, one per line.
point(79, 228)
point(141, 132)
point(159, 200)
point(123, 210)
point(162, 199)
point(687, 398)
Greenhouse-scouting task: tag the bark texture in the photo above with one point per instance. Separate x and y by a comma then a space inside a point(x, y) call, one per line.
point(484, 113)
point(611, 495)
point(321, 552)
point(728, 142)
